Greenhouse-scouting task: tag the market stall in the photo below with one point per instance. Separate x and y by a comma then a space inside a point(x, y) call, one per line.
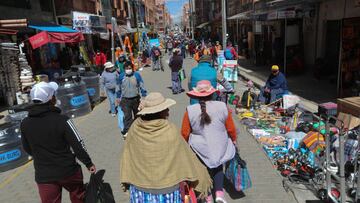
point(319, 151)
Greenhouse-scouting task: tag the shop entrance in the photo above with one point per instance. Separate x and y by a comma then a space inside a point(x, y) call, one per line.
point(332, 47)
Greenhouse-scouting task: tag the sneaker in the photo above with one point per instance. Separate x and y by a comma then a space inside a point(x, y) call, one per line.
point(220, 200)
point(220, 197)
point(209, 199)
point(124, 136)
point(113, 114)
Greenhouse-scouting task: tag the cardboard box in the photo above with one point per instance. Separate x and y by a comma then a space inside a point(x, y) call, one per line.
point(350, 105)
point(350, 121)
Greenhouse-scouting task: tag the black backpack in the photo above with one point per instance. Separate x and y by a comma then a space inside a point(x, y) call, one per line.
point(97, 191)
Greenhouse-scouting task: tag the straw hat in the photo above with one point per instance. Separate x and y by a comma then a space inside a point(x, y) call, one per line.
point(155, 102)
point(108, 65)
point(203, 89)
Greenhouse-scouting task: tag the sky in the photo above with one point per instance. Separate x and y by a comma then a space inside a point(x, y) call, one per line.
point(175, 9)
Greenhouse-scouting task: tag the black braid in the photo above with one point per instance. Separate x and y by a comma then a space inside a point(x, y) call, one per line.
point(204, 117)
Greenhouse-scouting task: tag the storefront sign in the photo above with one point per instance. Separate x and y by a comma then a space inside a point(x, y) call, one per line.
point(88, 23)
point(286, 14)
point(272, 15)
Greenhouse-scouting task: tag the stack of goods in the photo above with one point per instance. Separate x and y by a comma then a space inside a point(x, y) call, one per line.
point(26, 75)
point(9, 71)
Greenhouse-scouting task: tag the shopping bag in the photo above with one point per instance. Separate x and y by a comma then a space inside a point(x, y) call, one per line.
point(120, 116)
point(182, 75)
point(97, 191)
point(237, 173)
point(187, 193)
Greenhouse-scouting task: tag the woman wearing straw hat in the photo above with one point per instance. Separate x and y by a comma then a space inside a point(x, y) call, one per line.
point(155, 159)
point(108, 78)
point(210, 131)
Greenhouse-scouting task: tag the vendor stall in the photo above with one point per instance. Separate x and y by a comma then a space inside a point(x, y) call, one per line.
point(319, 152)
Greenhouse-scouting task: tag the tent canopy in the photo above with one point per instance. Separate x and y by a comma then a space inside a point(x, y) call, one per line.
point(45, 37)
point(50, 27)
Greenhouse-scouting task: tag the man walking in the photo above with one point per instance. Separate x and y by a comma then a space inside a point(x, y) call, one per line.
point(131, 86)
point(176, 63)
point(54, 143)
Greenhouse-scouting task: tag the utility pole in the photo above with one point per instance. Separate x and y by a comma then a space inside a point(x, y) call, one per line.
point(137, 4)
point(191, 18)
point(113, 24)
point(223, 7)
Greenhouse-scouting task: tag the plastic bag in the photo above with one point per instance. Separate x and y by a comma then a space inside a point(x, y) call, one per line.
point(120, 115)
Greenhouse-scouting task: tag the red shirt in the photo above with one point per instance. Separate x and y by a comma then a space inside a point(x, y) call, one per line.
point(100, 59)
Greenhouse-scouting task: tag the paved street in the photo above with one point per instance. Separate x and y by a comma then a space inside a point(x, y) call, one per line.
point(104, 144)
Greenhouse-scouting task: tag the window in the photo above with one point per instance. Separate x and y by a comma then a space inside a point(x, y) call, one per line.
point(46, 5)
point(17, 4)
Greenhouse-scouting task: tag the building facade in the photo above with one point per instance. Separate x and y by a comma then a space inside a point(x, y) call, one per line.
point(185, 18)
point(150, 13)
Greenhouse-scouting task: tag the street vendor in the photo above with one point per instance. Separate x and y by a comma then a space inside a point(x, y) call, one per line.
point(275, 87)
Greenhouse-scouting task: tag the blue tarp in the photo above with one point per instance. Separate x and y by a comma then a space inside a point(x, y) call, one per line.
point(55, 28)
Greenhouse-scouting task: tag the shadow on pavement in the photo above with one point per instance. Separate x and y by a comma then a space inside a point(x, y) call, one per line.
point(229, 188)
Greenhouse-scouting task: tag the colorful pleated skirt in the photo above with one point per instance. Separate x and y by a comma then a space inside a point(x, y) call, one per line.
point(138, 196)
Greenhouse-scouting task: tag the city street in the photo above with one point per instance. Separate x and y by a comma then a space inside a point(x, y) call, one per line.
point(104, 144)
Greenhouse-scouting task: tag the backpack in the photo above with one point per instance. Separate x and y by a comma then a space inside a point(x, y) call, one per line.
point(97, 191)
point(228, 54)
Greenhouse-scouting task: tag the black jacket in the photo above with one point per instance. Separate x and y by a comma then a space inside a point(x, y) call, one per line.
point(50, 138)
point(176, 63)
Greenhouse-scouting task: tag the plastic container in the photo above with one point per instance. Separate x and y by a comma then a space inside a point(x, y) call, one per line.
point(72, 97)
point(92, 82)
point(12, 154)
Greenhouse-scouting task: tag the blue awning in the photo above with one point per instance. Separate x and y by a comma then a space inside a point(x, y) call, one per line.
point(50, 27)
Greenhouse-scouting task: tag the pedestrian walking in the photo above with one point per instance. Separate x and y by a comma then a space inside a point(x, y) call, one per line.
point(209, 129)
point(156, 54)
point(120, 63)
point(108, 81)
point(131, 89)
point(149, 167)
point(54, 144)
point(203, 71)
point(176, 63)
point(99, 61)
point(170, 46)
point(230, 52)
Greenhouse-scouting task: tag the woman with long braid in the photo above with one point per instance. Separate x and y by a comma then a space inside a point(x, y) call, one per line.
point(209, 129)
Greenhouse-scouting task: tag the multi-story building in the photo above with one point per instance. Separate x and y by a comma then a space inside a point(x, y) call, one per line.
point(185, 18)
point(160, 16)
point(25, 9)
point(150, 12)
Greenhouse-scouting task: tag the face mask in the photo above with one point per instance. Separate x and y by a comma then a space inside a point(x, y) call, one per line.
point(128, 72)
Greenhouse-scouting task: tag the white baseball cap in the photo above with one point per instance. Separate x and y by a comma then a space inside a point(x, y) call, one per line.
point(43, 91)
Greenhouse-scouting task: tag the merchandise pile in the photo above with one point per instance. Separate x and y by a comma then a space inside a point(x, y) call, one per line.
point(26, 75)
point(301, 145)
point(9, 71)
